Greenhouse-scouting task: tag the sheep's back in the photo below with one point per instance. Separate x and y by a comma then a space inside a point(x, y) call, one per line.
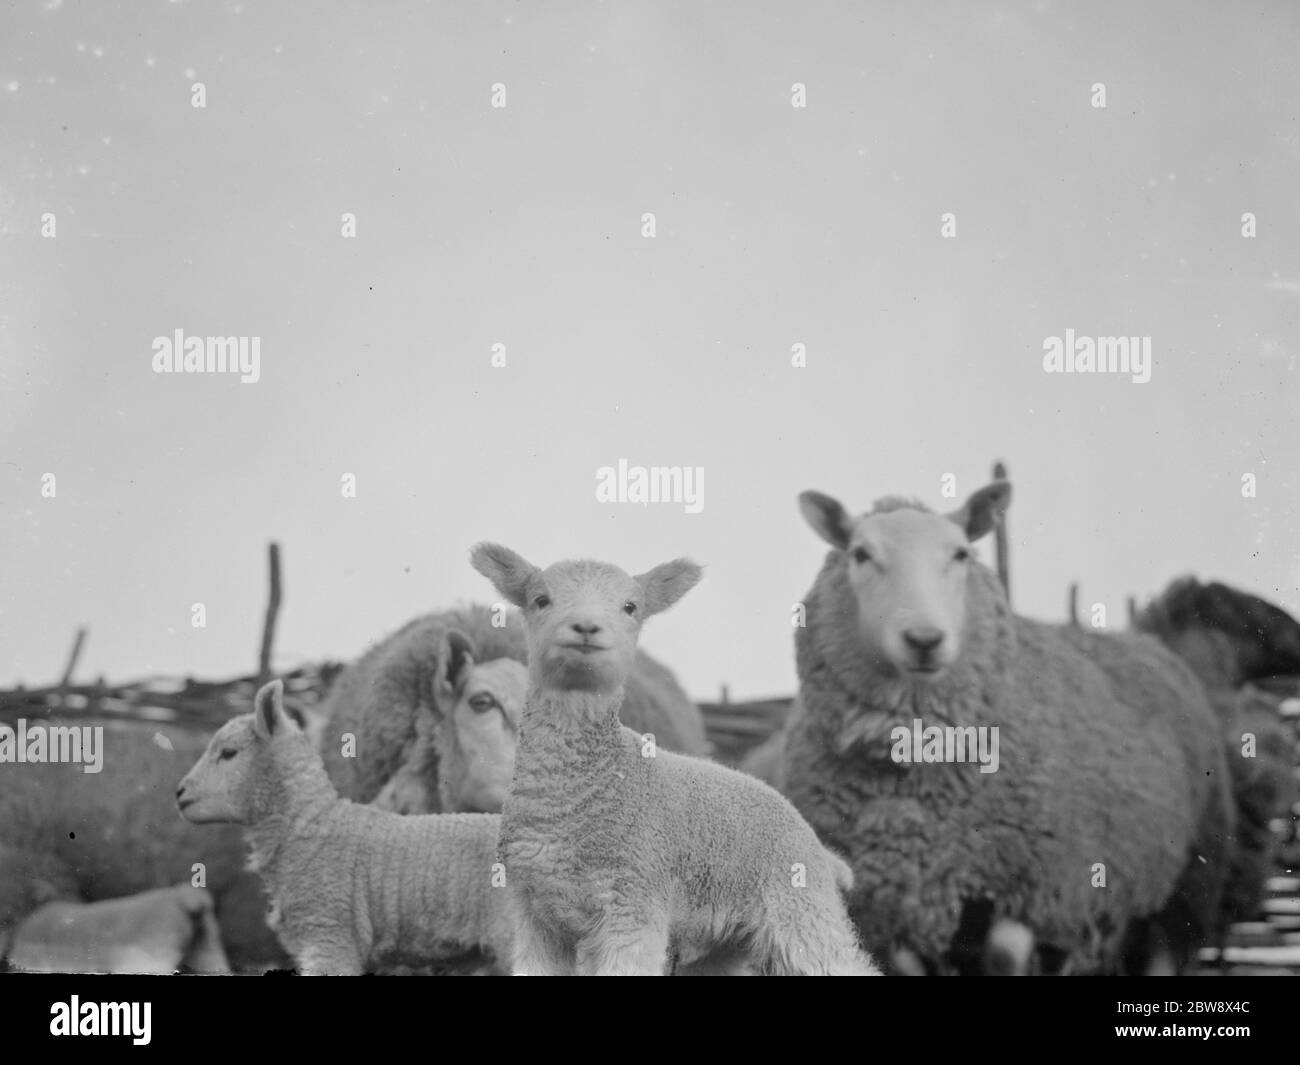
point(655, 702)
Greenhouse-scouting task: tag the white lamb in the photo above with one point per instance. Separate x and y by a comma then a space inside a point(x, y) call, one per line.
point(158, 931)
point(621, 858)
point(352, 888)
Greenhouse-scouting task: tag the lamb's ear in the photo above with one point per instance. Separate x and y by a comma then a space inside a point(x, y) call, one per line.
point(508, 571)
point(662, 586)
point(983, 509)
point(828, 518)
point(268, 708)
point(455, 660)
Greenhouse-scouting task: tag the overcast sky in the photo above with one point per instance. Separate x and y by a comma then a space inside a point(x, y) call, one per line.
point(522, 225)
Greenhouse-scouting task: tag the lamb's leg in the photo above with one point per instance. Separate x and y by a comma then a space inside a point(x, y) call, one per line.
point(810, 935)
point(537, 951)
point(206, 953)
point(330, 959)
point(633, 951)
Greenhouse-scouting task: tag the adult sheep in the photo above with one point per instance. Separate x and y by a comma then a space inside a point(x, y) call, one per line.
point(1110, 800)
point(71, 836)
point(433, 712)
point(1232, 640)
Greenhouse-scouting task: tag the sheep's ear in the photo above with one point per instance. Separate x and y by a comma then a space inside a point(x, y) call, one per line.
point(509, 572)
point(662, 586)
point(455, 660)
point(827, 517)
point(983, 509)
point(268, 708)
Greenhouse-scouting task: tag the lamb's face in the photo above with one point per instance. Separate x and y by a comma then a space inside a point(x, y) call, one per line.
point(484, 723)
point(582, 618)
point(219, 786)
point(583, 621)
point(908, 570)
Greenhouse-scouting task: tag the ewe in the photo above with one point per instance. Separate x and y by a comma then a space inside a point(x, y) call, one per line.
point(619, 856)
point(352, 888)
point(433, 710)
point(1111, 801)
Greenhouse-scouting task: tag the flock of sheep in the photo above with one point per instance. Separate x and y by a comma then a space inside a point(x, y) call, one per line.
point(524, 790)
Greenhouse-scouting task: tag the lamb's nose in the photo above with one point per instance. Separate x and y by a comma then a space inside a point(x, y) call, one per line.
point(180, 792)
point(585, 628)
point(923, 640)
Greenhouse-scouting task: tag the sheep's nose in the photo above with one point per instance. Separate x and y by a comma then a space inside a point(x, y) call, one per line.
point(923, 640)
point(180, 791)
point(585, 628)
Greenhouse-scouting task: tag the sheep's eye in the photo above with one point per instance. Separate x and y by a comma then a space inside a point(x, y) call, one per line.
point(861, 554)
point(227, 753)
point(960, 555)
point(542, 602)
point(482, 702)
point(629, 607)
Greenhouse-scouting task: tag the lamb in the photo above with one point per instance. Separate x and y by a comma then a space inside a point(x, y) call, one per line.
point(434, 711)
point(75, 837)
point(1111, 761)
point(352, 888)
point(619, 856)
point(158, 932)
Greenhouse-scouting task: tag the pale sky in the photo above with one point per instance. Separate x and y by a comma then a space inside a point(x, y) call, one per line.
point(521, 225)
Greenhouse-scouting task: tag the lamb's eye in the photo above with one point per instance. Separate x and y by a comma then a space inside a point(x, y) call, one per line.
point(960, 555)
point(482, 702)
point(542, 602)
point(227, 753)
point(861, 554)
point(629, 607)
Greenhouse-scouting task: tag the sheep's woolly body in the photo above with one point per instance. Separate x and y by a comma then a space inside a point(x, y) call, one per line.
point(66, 835)
point(355, 888)
point(385, 700)
point(383, 697)
point(1229, 638)
point(1109, 758)
point(616, 858)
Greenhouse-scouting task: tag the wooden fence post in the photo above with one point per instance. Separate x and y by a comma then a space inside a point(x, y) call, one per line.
point(272, 612)
point(1000, 537)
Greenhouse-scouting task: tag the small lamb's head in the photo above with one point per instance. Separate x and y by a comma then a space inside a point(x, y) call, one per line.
point(231, 780)
point(908, 570)
point(481, 705)
point(582, 618)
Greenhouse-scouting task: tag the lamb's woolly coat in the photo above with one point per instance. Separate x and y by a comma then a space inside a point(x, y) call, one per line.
point(386, 700)
point(158, 931)
point(672, 842)
point(354, 889)
point(1110, 758)
point(87, 837)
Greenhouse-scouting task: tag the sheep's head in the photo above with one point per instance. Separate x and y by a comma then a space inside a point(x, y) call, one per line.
point(582, 618)
point(227, 783)
point(908, 570)
point(481, 705)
